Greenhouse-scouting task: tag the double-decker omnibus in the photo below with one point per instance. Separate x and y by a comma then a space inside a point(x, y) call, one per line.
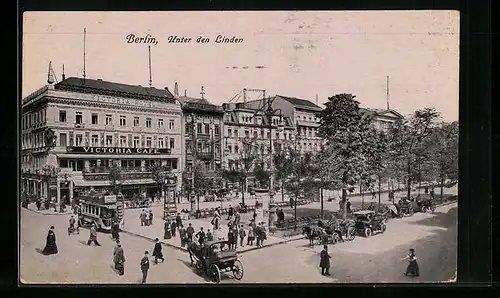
point(101, 208)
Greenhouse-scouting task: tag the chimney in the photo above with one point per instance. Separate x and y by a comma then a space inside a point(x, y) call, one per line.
point(63, 74)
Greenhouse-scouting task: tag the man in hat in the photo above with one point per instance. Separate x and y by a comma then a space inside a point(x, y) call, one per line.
point(93, 236)
point(145, 266)
point(325, 261)
point(71, 225)
point(201, 236)
point(119, 259)
point(190, 232)
point(142, 217)
point(178, 220)
point(157, 252)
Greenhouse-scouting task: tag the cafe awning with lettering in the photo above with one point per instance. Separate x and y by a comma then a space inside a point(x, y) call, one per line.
point(79, 182)
point(114, 156)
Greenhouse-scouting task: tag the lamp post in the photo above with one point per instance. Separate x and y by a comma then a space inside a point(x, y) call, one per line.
point(270, 113)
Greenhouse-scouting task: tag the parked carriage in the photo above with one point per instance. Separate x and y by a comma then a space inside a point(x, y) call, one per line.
point(215, 257)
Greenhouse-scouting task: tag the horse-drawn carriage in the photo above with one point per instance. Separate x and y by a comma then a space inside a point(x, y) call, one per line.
point(330, 232)
point(215, 257)
point(424, 203)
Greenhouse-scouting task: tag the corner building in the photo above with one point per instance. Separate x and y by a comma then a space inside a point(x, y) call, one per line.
point(82, 127)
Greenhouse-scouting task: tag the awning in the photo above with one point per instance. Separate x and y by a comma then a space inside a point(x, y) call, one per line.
point(116, 156)
point(82, 183)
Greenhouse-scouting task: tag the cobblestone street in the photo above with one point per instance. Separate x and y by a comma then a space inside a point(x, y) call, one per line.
point(376, 259)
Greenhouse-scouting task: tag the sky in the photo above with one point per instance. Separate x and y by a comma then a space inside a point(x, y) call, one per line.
point(303, 54)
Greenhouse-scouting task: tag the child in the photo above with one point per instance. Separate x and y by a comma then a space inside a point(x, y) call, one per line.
point(412, 268)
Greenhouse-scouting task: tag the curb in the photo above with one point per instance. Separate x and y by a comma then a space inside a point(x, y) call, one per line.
point(39, 212)
point(185, 249)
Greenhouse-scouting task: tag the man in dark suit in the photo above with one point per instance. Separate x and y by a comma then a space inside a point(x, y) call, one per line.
point(157, 252)
point(145, 266)
point(201, 236)
point(190, 232)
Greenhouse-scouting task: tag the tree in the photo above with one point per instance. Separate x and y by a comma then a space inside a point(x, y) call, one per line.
point(409, 142)
point(115, 177)
point(194, 182)
point(158, 174)
point(443, 161)
point(261, 175)
point(351, 144)
point(242, 168)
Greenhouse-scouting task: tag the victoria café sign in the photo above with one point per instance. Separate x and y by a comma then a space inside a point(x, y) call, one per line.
point(117, 150)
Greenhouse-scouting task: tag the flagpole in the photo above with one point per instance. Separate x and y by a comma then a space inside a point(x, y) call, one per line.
point(84, 52)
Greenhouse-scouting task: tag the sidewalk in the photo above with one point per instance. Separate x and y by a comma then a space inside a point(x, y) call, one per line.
point(133, 227)
point(32, 207)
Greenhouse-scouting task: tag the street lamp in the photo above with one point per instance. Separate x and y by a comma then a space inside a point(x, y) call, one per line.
point(270, 113)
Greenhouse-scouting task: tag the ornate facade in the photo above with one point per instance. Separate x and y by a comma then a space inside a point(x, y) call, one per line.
point(79, 128)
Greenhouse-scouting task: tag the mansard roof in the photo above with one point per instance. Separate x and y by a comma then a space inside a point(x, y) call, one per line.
point(199, 105)
point(115, 89)
point(300, 103)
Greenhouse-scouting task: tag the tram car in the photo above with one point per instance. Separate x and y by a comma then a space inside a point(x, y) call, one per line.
point(101, 208)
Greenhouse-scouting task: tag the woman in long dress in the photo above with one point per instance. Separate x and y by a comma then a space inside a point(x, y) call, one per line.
point(412, 268)
point(50, 246)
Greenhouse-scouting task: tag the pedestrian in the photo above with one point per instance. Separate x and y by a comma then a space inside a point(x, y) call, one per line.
point(166, 230)
point(432, 193)
point(215, 220)
point(230, 237)
point(142, 217)
point(251, 235)
point(348, 205)
point(209, 236)
point(178, 220)
point(242, 235)
point(374, 196)
point(115, 228)
point(71, 228)
point(257, 234)
point(150, 219)
point(412, 268)
point(237, 218)
point(145, 266)
point(119, 259)
point(325, 261)
point(230, 212)
point(93, 235)
point(190, 232)
point(157, 252)
point(50, 245)
point(38, 204)
point(182, 235)
point(263, 233)
point(201, 236)
point(173, 227)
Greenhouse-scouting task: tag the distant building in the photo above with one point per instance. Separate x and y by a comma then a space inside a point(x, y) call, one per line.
point(82, 127)
point(246, 125)
point(382, 119)
point(303, 118)
point(203, 134)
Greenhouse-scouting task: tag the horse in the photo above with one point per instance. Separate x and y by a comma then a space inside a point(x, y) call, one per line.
point(194, 249)
point(312, 233)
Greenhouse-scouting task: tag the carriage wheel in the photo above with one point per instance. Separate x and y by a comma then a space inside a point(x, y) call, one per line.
point(383, 227)
point(214, 273)
point(368, 232)
point(433, 208)
point(238, 270)
point(424, 209)
point(199, 268)
point(351, 233)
